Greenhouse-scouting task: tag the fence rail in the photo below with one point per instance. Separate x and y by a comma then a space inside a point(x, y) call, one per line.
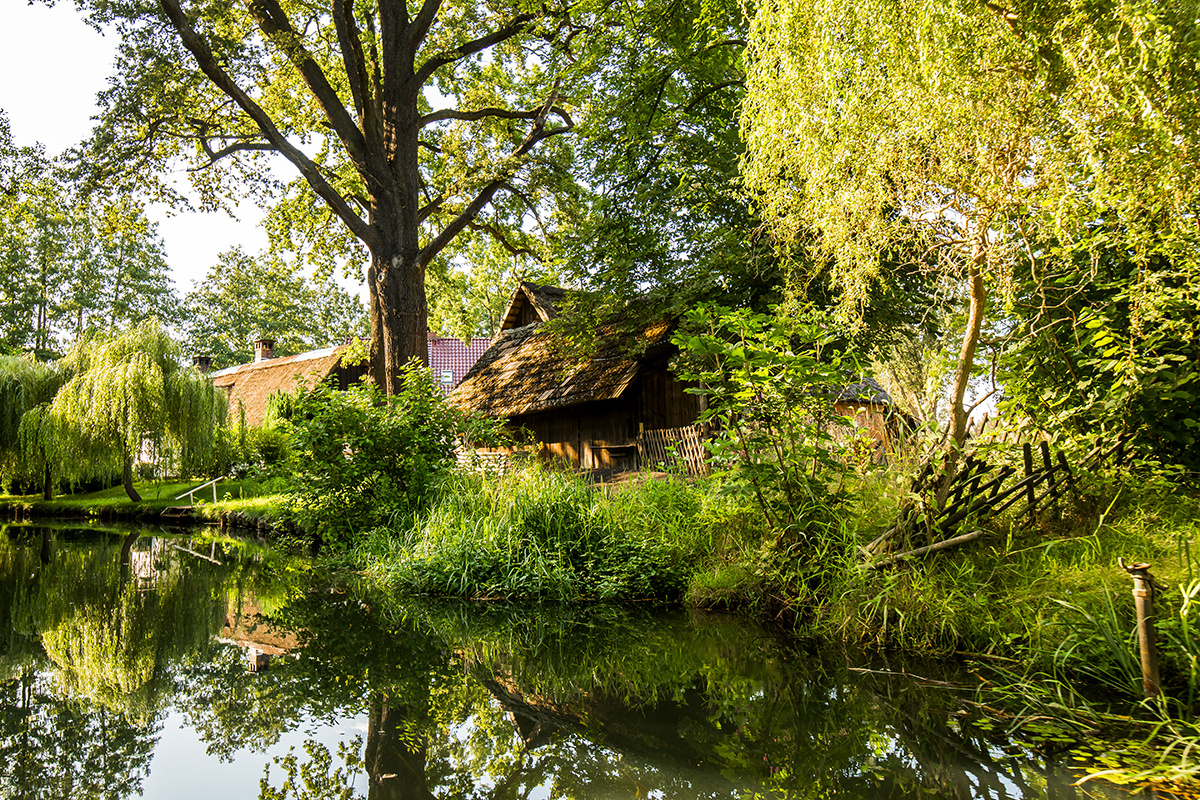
point(934, 511)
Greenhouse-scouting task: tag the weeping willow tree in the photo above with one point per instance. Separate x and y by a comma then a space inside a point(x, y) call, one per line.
point(985, 138)
point(128, 397)
point(26, 431)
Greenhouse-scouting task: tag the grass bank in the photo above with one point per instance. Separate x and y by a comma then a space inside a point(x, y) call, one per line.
point(538, 534)
point(249, 498)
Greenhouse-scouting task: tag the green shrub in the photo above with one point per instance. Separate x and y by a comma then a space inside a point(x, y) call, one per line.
point(362, 460)
point(550, 535)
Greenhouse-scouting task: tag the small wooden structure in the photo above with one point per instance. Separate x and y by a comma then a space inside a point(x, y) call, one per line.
point(590, 412)
point(620, 407)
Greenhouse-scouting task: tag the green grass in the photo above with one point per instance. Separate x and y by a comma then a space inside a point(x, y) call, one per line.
point(247, 496)
point(547, 535)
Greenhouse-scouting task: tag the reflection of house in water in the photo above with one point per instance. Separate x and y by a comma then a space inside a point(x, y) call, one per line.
point(246, 628)
point(147, 561)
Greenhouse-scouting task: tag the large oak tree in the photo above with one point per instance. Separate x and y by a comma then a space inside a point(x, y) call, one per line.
point(408, 122)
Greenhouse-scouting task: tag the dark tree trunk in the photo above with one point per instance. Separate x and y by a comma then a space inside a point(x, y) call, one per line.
point(47, 485)
point(395, 763)
point(399, 318)
point(127, 480)
point(126, 554)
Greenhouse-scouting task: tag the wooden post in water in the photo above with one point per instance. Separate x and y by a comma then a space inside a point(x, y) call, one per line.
point(1143, 596)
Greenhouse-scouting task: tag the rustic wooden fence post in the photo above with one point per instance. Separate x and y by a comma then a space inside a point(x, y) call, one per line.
point(1027, 453)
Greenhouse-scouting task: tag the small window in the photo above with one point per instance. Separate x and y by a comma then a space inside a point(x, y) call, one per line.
point(447, 376)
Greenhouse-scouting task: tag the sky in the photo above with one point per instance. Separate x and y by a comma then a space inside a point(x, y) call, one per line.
point(53, 65)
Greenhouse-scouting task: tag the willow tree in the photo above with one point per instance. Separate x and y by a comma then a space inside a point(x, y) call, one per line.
point(26, 433)
point(129, 397)
point(979, 134)
point(876, 123)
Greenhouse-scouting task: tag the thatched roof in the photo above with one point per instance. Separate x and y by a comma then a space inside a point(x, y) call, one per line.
point(522, 372)
point(544, 301)
point(251, 384)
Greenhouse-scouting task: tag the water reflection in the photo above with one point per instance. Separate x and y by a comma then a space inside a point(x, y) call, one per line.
point(111, 642)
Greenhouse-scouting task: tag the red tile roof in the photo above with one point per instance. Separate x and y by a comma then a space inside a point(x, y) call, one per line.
point(453, 358)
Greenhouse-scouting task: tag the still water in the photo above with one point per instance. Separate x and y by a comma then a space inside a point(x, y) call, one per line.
point(136, 663)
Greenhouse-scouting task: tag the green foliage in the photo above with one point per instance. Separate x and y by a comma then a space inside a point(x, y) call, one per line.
point(660, 204)
point(26, 388)
point(541, 534)
point(70, 265)
point(771, 383)
point(125, 391)
point(363, 460)
point(315, 779)
point(1111, 344)
point(244, 298)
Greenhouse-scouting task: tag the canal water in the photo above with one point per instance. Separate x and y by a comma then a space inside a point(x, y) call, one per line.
point(140, 663)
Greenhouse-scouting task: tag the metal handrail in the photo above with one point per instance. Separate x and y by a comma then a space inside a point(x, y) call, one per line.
point(191, 495)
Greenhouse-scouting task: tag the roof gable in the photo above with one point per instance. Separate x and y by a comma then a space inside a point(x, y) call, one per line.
point(523, 372)
point(531, 303)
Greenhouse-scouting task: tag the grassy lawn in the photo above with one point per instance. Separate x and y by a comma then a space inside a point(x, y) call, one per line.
point(238, 495)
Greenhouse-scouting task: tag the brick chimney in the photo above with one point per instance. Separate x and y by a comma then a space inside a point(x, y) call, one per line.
point(202, 363)
point(264, 349)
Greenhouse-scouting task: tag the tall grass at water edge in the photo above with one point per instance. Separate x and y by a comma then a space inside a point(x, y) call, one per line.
point(548, 535)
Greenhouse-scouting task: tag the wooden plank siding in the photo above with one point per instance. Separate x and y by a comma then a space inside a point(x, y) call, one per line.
point(603, 434)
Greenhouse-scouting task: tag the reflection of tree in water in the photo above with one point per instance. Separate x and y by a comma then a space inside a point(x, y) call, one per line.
point(91, 638)
point(56, 747)
point(470, 704)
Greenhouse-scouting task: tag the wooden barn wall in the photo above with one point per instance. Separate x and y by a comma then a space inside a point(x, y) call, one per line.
point(603, 434)
point(527, 315)
point(664, 401)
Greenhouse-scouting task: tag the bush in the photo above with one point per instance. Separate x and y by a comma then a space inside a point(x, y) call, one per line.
point(362, 460)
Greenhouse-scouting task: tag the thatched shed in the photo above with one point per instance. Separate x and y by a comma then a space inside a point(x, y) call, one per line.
point(595, 412)
point(251, 384)
point(587, 412)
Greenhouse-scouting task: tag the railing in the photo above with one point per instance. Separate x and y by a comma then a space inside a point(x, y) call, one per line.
point(191, 495)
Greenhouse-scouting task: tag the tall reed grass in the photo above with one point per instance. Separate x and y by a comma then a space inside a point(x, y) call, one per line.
point(547, 535)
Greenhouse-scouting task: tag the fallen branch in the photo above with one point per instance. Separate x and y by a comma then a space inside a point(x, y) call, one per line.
point(920, 551)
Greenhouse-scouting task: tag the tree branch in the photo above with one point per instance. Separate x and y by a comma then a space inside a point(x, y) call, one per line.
point(276, 27)
point(710, 91)
point(499, 236)
point(539, 132)
point(209, 66)
point(422, 22)
point(481, 113)
point(217, 155)
point(353, 59)
point(436, 62)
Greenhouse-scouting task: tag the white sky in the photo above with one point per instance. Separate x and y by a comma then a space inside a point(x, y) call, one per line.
point(52, 66)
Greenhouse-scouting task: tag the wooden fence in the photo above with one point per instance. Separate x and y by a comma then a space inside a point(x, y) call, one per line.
point(934, 511)
point(674, 448)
